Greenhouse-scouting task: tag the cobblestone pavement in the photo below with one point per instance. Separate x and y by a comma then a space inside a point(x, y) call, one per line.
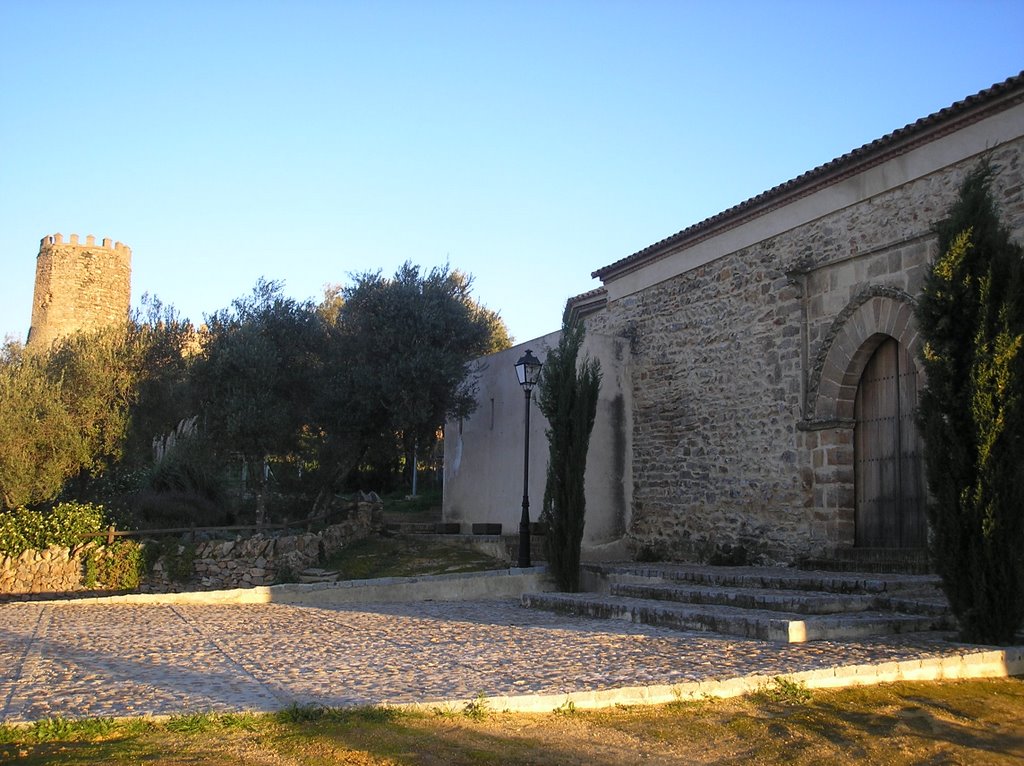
point(76, 659)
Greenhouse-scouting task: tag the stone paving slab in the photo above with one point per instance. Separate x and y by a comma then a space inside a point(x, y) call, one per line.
point(79, 659)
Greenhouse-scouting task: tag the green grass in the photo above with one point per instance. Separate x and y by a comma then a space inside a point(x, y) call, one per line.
point(400, 503)
point(975, 722)
point(407, 556)
point(783, 690)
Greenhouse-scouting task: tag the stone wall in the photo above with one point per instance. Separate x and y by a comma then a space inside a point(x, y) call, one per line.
point(743, 370)
point(54, 570)
point(214, 564)
point(79, 286)
point(716, 399)
point(262, 559)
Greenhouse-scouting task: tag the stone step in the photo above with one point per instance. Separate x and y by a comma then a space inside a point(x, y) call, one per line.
point(930, 604)
point(795, 601)
point(854, 565)
point(777, 578)
point(412, 527)
point(748, 623)
point(875, 560)
point(774, 600)
point(313, 574)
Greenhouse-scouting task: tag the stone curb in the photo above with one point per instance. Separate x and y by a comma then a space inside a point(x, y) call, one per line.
point(985, 663)
point(502, 583)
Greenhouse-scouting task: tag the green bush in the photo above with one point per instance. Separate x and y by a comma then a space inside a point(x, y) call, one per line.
point(177, 558)
point(91, 569)
point(971, 317)
point(67, 522)
point(568, 399)
point(63, 525)
point(119, 566)
point(122, 565)
point(187, 468)
point(171, 510)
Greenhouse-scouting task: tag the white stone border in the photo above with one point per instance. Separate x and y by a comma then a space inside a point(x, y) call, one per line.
point(465, 586)
point(983, 663)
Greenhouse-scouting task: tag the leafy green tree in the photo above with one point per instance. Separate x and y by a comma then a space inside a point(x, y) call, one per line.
point(99, 374)
point(39, 446)
point(159, 394)
point(971, 315)
point(399, 363)
point(65, 412)
point(169, 344)
point(567, 396)
point(258, 377)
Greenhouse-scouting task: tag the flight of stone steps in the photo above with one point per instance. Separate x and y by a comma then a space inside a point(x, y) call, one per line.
point(774, 604)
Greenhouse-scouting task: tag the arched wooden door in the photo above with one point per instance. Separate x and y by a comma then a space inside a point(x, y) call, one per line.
point(888, 475)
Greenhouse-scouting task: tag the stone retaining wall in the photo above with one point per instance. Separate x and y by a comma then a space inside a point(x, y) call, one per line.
point(214, 564)
point(261, 559)
point(54, 570)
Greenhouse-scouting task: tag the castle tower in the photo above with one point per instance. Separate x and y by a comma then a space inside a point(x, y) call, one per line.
point(79, 286)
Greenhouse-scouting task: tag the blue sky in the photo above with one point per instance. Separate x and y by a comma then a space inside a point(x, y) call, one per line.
point(527, 143)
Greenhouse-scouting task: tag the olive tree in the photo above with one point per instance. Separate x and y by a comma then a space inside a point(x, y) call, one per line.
point(257, 378)
point(398, 364)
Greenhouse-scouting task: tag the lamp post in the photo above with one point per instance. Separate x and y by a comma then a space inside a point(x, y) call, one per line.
point(528, 372)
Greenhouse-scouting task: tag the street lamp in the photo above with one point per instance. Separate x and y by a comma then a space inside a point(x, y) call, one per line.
point(528, 372)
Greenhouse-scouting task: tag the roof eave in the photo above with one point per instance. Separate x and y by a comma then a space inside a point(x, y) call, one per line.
point(971, 109)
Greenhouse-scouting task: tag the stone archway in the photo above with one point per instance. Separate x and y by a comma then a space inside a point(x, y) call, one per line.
point(877, 315)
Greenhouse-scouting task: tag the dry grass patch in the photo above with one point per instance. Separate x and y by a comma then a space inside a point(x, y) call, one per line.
point(968, 722)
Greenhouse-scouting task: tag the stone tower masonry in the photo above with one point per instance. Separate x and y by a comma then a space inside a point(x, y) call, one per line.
point(78, 287)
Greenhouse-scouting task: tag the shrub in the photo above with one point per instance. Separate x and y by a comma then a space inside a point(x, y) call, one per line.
point(178, 559)
point(971, 315)
point(68, 522)
point(91, 569)
point(65, 524)
point(568, 399)
point(187, 467)
point(784, 691)
point(119, 566)
point(122, 565)
point(170, 510)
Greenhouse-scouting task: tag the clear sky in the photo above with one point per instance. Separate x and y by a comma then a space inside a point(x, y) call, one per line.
point(525, 142)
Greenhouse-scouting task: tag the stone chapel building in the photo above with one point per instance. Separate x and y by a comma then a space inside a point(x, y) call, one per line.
point(760, 367)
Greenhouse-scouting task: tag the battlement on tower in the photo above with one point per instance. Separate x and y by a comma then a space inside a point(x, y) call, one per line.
point(79, 286)
point(73, 240)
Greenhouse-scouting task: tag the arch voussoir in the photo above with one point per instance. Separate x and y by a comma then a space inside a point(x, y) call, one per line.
point(875, 314)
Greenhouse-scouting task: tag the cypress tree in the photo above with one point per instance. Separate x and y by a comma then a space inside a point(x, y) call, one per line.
point(971, 317)
point(567, 396)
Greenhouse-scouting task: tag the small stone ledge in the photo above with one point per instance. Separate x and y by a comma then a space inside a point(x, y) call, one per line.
point(492, 584)
point(980, 663)
point(824, 425)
